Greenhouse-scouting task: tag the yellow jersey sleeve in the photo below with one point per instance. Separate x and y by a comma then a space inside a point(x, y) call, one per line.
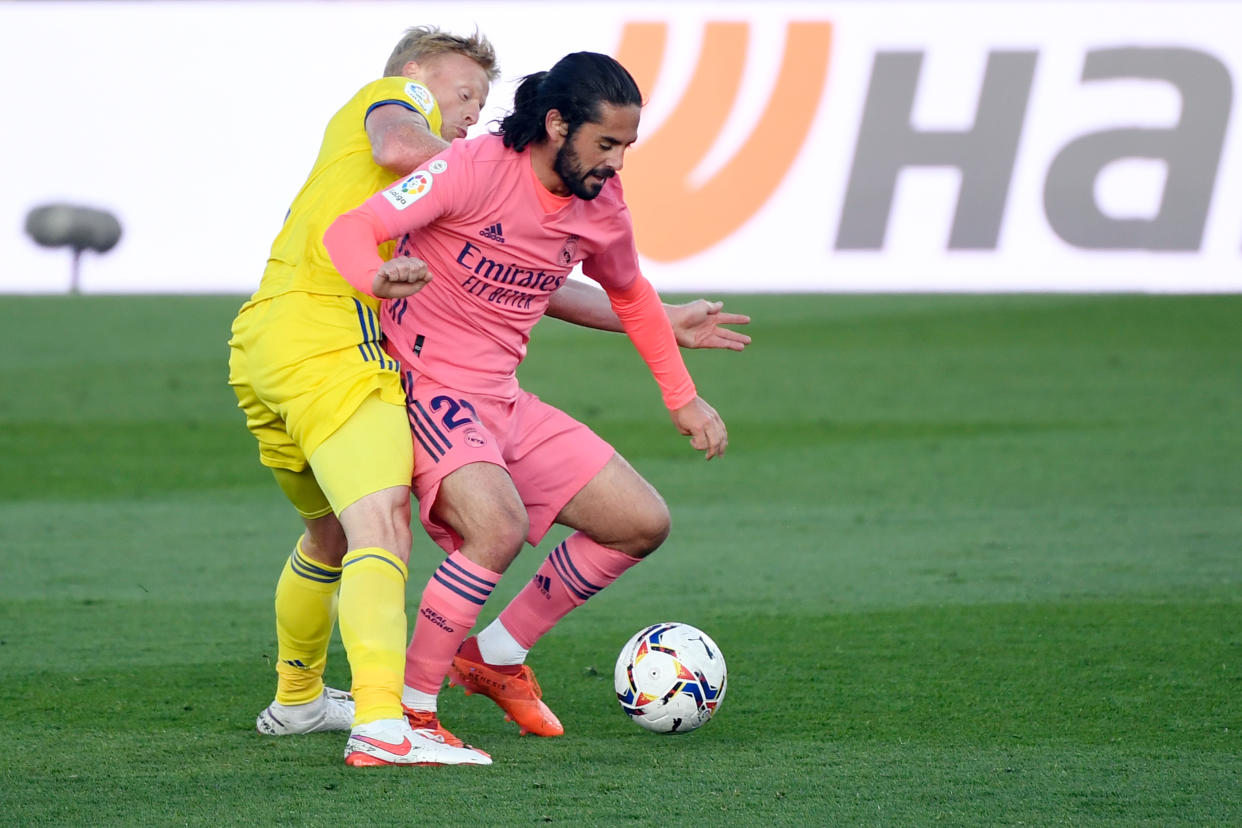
point(418, 98)
point(344, 176)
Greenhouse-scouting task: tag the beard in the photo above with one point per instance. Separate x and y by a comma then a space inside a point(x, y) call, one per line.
point(569, 167)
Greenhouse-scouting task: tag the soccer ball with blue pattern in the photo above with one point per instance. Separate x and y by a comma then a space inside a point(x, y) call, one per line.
point(670, 677)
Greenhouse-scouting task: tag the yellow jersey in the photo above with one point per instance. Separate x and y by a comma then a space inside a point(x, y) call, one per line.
point(343, 177)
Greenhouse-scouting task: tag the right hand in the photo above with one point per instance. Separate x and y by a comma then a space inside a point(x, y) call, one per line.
point(400, 277)
point(697, 324)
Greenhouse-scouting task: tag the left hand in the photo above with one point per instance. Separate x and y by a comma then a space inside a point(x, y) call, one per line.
point(697, 325)
point(700, 422)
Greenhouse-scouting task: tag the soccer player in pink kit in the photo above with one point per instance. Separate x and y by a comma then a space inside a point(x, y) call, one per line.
point(488, 230)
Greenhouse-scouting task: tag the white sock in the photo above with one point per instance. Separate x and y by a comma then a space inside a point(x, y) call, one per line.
point(498, 647)
point(418, 700)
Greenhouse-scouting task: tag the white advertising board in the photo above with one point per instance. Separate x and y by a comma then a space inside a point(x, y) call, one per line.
point(786, 146)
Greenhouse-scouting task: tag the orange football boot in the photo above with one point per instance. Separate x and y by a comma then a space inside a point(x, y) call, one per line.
point(512, 687)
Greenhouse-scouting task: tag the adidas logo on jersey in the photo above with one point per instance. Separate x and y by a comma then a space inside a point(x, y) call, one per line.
point(495, 233)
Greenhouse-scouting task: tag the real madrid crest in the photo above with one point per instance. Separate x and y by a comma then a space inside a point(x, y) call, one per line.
point(569, 252)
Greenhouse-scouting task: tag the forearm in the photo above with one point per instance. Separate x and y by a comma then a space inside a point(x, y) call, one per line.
point(351, 242)
point(646, 323)
point(582, 304)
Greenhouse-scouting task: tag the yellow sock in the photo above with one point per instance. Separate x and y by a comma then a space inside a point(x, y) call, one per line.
point(373, 628)
point(305, 613)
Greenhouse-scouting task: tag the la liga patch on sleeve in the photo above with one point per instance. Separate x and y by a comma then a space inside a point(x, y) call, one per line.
point(410, 190)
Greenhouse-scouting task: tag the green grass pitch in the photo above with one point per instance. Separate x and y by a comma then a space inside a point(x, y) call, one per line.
point(972, 560)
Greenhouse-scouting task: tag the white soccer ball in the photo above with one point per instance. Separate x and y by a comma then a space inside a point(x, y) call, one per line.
point(670, 677)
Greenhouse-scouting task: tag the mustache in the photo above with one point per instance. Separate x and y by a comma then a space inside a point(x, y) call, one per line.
point(603, 172)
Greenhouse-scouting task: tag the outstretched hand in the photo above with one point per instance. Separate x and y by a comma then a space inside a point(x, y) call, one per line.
point(400, 277)
point(697, 325)
point(700, 422)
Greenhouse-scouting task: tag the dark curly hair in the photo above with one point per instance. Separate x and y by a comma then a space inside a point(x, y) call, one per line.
point(576, 87)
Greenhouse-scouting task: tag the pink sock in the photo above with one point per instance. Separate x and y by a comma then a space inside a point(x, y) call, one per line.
point(573, 572)
point(450, 606)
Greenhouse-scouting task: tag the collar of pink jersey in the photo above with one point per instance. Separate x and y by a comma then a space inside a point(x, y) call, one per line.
point(548, 200)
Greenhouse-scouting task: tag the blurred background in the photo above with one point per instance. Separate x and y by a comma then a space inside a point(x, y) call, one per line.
point(974, 556)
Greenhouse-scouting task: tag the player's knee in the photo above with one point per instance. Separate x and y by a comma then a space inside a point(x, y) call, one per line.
point(398, 525)
point(400, 534)
point(506, 531)
point(650, 529)
point(324, 540)
point(381, 520)
point(493, 536)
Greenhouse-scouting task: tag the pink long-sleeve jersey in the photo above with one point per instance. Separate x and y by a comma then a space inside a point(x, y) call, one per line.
point(498, 244)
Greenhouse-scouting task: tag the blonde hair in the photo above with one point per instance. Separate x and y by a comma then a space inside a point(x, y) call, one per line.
point(422, 42)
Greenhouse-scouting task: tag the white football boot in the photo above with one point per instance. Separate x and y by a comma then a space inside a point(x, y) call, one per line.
point(334, 710)
point(394, 742)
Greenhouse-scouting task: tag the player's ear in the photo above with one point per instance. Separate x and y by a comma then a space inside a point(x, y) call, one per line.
point(557, 127)
point(412, 70)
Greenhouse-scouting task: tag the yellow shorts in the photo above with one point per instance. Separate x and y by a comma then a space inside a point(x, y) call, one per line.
point(302, 366)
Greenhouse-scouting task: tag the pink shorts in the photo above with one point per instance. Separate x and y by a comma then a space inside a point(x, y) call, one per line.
point(549, 455)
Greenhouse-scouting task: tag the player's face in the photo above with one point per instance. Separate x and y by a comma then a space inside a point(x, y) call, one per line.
point(595, 151)
point(460, 86)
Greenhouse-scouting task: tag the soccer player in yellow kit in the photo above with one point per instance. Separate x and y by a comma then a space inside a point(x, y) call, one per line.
point(326, 405)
